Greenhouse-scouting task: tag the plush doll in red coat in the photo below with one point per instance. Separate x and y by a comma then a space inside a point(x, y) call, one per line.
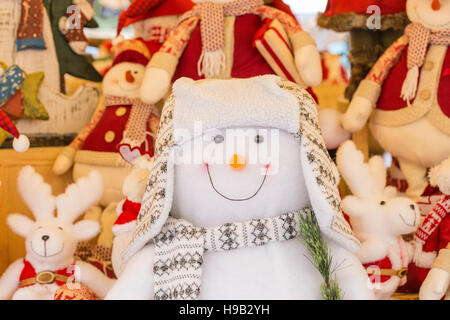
point(128, 209)
point(216, 40)
point(120, 130)
point(434, 233)
point(408, 88)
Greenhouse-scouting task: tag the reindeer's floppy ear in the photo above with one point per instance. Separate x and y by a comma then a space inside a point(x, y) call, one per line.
point(79, 197)
point(36, 193)
point(353, 206)
point(20, 224)
point(86, 229)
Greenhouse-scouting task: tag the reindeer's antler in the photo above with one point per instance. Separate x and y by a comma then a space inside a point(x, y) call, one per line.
point(79, 197)
point(36, 193)
point(354, 170)
point(378, 173)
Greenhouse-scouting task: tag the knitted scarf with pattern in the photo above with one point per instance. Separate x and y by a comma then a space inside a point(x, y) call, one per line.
point(419, 39)
point(179, 249)
point(212, 59)
point(136, 128)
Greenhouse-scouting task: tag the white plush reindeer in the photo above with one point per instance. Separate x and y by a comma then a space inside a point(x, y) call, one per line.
point(51, 241)
point(379, 218)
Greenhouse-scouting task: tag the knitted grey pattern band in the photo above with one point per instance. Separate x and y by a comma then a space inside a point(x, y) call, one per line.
point(179, 249)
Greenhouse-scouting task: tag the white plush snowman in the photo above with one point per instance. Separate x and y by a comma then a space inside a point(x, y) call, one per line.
point(231, 175)
point(409, 87)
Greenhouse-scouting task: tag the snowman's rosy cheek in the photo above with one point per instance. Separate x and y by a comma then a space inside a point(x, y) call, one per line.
point(205, 167)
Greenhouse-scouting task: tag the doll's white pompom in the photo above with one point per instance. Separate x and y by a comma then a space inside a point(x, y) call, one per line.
point(21, 144)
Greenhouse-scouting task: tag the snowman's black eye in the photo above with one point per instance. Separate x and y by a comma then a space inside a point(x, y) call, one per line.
point(219, 138)
point(259, 139)
point(383, 203)
point(60, 228)
point(135, 72)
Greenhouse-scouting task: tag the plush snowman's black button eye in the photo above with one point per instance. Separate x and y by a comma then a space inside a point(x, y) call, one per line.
point(218, 139)
point(259, 139)
point(135, 72)
point(383, 203)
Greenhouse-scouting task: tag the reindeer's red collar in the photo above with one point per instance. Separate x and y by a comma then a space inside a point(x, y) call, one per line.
point(29, 277)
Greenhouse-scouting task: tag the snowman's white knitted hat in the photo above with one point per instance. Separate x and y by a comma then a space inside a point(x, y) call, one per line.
point(264, 101)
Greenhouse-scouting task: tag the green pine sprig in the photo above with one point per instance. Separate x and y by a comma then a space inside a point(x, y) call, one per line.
point(312, 238)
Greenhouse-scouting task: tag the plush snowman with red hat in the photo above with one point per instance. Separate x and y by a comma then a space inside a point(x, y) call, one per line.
point(217, 39)
point(120, 130)
point(406, 92)
point(152, 20)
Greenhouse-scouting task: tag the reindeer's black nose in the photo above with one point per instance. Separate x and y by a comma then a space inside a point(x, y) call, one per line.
point(45, 238)
point(413, 207)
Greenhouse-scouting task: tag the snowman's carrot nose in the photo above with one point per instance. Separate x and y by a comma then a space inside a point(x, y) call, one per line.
point(435, 5)
point(129, 77)
point(237, 162)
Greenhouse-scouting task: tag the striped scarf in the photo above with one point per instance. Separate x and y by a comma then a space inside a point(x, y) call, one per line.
point(136, 128)
point(212, 59)
point(180, 246)
point(432, 220)
point(419, 39)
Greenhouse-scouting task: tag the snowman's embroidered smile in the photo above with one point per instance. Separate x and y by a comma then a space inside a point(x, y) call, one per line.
point(236, 199)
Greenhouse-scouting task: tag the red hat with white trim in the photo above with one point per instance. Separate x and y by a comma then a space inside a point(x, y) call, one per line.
point(134, 50)
point(20, 142)
point(143, 9)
